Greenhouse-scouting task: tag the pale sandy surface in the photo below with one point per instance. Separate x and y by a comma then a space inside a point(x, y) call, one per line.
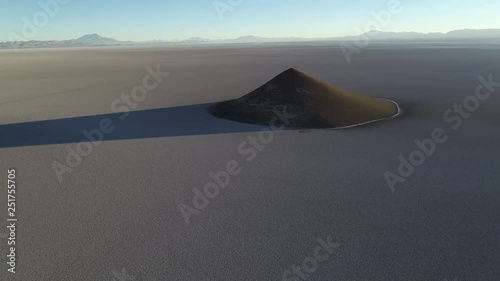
point(118, 209)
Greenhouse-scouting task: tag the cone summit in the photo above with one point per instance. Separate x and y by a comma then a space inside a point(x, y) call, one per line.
point(312, 103)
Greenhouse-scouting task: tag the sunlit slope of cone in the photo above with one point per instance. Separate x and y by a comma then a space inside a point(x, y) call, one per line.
point(310, 102)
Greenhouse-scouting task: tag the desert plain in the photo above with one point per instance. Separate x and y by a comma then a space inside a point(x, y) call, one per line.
point(130, 208)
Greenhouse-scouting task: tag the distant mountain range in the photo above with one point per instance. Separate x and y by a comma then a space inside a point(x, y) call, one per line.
point(452, 35)
point(88, 40)
point(92, 40)
point(95, 39)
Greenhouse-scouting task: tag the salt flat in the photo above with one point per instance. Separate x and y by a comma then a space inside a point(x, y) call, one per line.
point(119, 208)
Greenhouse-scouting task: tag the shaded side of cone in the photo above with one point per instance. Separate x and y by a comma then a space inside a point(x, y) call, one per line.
point(310, 103)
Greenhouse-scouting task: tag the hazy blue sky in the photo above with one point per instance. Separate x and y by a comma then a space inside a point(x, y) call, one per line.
point(180, 19)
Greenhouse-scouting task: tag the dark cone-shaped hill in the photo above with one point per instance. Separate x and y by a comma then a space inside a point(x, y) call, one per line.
point(309, 102)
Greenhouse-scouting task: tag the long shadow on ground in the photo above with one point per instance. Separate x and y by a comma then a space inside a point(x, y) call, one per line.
point(166, 122)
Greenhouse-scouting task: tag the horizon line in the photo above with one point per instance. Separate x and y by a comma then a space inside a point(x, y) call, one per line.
point(256, 36)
